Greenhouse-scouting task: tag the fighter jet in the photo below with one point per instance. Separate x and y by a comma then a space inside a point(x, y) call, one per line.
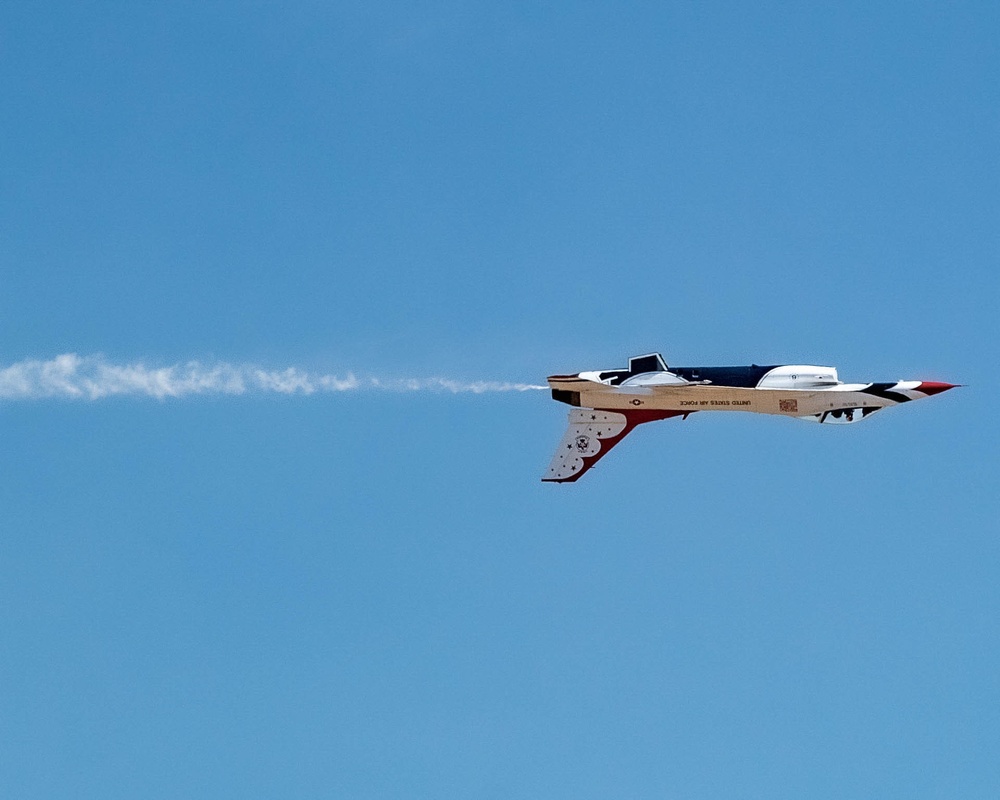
point(608, 405)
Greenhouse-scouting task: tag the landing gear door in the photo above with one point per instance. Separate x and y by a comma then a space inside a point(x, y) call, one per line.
point(845, 416)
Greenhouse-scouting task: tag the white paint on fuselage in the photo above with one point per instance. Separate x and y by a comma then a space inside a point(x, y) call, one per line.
point(699, 397)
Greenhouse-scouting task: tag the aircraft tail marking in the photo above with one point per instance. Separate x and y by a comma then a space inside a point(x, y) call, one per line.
point(590, 435)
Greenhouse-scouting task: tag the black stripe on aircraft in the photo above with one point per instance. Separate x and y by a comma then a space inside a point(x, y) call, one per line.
point(739, 377)
point(884, 390)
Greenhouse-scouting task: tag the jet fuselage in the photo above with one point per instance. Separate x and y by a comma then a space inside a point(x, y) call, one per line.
point(609, 404)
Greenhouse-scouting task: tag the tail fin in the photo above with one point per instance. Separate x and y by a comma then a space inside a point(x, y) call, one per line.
point(590, 435)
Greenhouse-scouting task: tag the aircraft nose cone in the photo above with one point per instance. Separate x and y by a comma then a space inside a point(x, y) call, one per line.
point(934, 387)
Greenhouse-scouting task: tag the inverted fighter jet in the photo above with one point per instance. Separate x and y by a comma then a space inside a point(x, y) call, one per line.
point(608, 405)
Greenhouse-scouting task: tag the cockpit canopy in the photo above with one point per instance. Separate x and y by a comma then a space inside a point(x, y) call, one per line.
point(651, 369)
point(653, 362)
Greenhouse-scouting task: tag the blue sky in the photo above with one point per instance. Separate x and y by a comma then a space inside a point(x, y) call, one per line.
point(369, 593)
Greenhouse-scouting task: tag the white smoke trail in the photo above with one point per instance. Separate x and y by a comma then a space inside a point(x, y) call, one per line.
point(72, 376)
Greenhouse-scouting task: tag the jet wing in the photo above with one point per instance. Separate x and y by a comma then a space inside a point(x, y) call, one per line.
point(590, 435)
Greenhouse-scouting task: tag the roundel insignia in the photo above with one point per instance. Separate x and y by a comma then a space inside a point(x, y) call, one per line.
point(582, 443)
